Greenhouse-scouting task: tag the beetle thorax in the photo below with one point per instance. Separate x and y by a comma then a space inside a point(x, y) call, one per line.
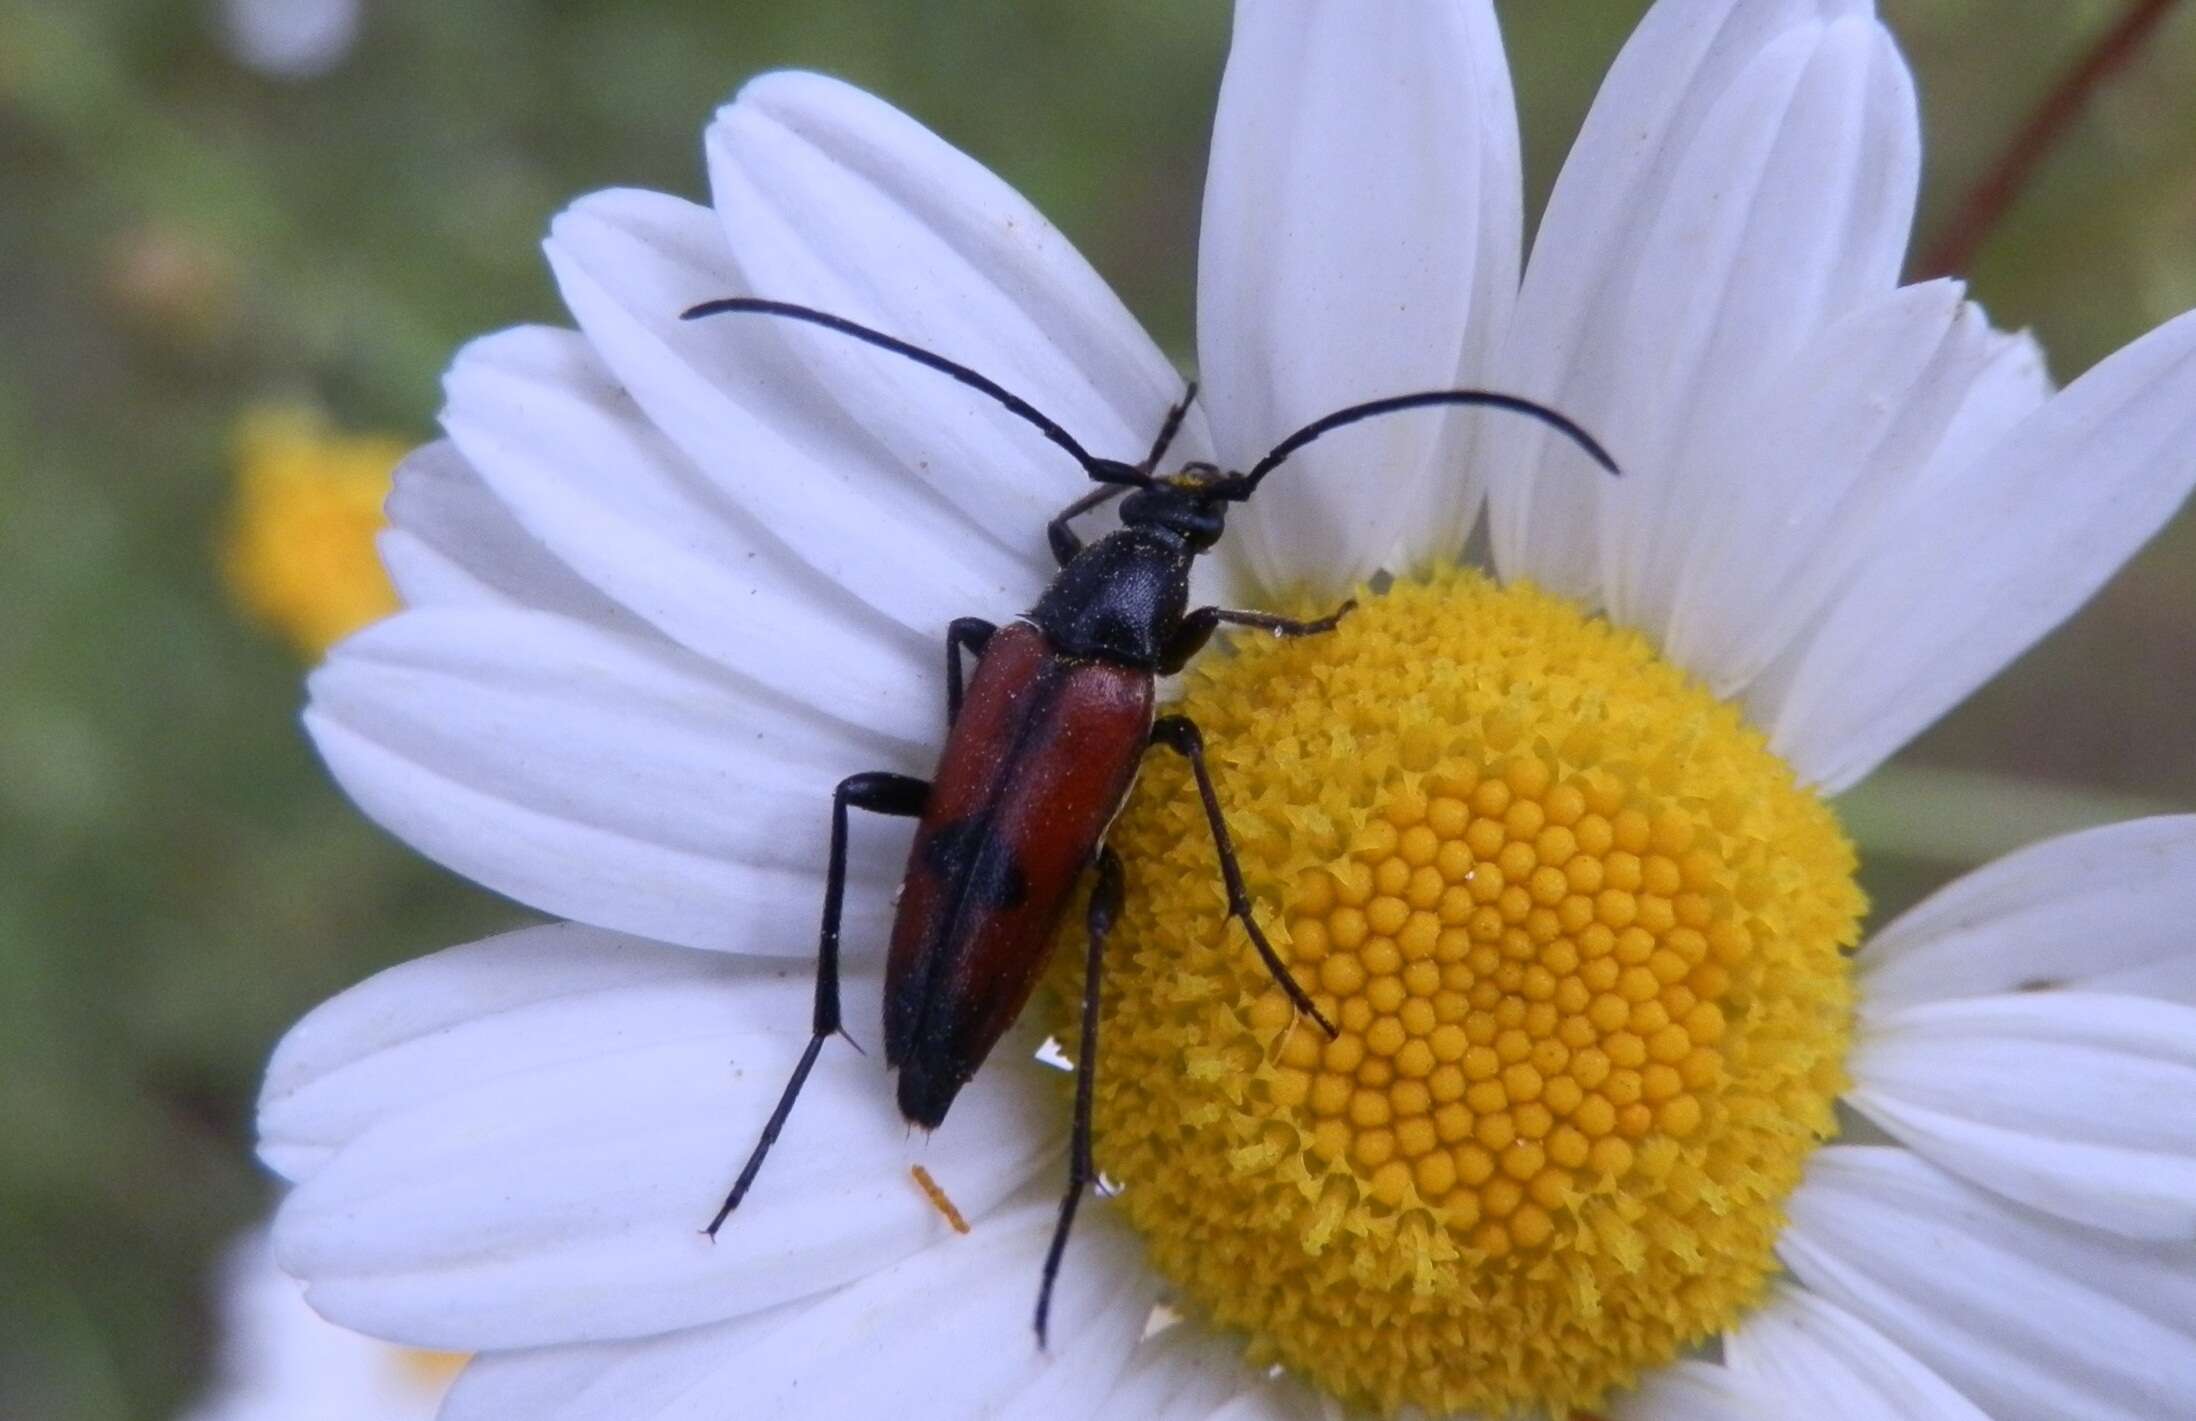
point(1122, 597)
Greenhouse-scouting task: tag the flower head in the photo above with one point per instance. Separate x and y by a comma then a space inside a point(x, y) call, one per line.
point(1550, 847)
point(298, 554)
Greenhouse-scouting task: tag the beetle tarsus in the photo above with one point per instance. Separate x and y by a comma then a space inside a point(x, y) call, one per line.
point(1105, 906)
point(879, 792)
point(776, 1123)
point(1327, 623)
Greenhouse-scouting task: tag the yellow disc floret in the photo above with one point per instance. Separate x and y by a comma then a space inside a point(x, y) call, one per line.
point(1582, 935)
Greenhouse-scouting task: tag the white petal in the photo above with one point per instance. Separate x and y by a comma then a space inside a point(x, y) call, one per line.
point(1190, 1373)
point(1587, 266)
point(937, 1337)
point(1820, 1363)
point(1360, 234)
point(452, 542)
point(539, 1171)
point(2025, 1315)
point(1792, 207)
point(1798, 490)
point(2011, 385)
point(1448, 507)
point(2105, 910)
point(833, 198)
point(599, 777)
point(570, 454)
point(2076, 1103)
point(1691, 1391)
point(278, 1360)
point(648, 1379)
point(740, 403)
point(393, 1042)
point(1985, 562)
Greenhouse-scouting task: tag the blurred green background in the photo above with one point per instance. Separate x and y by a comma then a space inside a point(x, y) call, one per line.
point(182, 235)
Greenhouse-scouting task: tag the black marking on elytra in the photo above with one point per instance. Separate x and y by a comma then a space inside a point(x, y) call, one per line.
point(969, 846)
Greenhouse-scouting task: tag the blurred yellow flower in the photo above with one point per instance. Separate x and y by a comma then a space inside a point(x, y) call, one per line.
point(297, 555)
point(274, 1357)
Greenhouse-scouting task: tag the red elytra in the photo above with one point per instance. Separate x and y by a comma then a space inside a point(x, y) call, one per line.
point(1036, 767)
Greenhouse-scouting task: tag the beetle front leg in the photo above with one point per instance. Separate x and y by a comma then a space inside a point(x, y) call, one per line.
point(879, 792)
point(1064, 541)
point(975, 634)
point(1168, 428)
point(1197, 628)
point(1105, 906)
point(1180, 734)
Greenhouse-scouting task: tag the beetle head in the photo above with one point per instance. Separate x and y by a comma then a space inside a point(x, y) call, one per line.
point(1191, 503)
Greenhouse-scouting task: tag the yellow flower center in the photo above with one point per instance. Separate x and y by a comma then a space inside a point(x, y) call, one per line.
point(1583, 937)
point(298, 554)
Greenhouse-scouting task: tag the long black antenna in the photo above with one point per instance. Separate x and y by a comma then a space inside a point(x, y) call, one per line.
point(1108, 471)
point(1247, 484)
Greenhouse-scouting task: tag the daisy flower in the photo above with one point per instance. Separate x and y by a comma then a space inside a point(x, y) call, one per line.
point(280, 1361)
point(297, 555)
point(1551, 844)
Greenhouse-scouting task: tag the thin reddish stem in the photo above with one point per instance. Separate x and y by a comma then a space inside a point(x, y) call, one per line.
point(1985, 204)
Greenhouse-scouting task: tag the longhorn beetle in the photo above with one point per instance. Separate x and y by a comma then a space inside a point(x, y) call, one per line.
point(1040, 751)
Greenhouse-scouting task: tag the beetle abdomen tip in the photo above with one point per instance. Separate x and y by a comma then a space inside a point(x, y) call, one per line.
point(926, 1094)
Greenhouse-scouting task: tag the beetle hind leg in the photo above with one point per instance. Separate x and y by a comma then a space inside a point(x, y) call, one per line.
point(1105, 906)
point(901, 796)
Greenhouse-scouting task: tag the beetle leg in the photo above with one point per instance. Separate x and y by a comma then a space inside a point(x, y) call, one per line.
point(1168, 428)
point(1105, 906)
point(879, 792)
point(1065, 543)
point(974, 633)
point(1180, 734)
point(1197, 628)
